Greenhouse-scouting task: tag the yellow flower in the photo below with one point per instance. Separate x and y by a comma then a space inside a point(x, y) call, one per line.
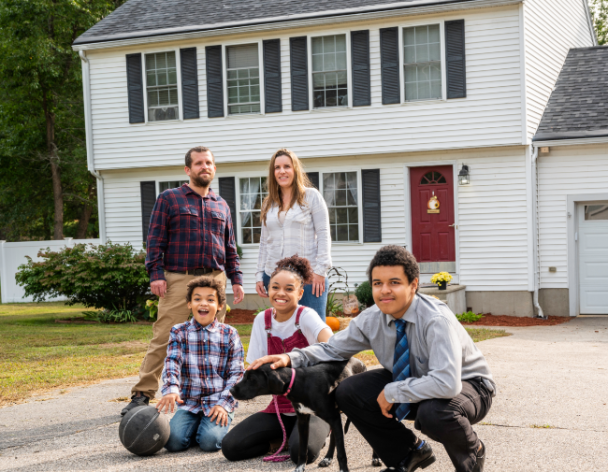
point(441, 277)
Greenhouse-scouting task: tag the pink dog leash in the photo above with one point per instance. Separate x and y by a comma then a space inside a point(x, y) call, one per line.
point(275, 457)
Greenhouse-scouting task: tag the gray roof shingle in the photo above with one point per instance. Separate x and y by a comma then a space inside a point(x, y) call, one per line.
point(142, 18)
point(578, 106)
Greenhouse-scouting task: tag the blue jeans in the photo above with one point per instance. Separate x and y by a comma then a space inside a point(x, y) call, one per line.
point(319, 304)
point(186, 426)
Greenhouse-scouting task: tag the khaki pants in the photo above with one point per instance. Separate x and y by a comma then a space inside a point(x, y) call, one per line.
point(172, 310)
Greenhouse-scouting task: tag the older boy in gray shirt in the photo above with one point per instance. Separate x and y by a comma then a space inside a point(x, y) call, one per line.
point(433, 372)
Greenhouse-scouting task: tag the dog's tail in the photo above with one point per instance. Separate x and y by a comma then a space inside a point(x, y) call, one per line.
point(346, 425)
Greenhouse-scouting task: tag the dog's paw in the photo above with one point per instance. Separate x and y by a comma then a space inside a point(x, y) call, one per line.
point(325, 462)
point(376, 462)
point(300, 468)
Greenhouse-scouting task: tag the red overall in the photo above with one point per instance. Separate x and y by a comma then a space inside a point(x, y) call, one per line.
point(280, 346)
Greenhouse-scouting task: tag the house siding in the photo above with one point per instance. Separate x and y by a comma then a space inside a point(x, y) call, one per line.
point(565, 171)
point(551, 30)
point(489, 116)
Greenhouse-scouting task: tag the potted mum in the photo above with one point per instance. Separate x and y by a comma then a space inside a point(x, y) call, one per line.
point(441, 279)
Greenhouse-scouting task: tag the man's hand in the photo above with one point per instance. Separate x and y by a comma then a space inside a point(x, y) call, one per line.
point(220, 415)
point(168, 402)
point(159, 288)
point(259, 287)
point(385, 405)
point(318, 285)
point(237, 290)
point(276, 361)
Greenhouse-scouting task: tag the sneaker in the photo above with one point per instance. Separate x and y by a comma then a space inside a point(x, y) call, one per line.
point(139, 399)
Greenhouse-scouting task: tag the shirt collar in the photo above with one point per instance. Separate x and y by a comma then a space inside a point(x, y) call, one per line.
point(410, 314)
point(186, 189)
point(197, 326)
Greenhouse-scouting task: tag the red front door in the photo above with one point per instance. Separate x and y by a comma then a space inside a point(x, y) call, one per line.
point(433, 214)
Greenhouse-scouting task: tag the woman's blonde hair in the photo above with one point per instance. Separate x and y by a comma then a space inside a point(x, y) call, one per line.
point(300, 182)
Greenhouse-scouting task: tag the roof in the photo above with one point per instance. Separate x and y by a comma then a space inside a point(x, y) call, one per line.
point(578, 106)
point(143, 18)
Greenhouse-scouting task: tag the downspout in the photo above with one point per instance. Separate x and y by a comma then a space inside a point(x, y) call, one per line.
point(536, 232)
point(88, 124)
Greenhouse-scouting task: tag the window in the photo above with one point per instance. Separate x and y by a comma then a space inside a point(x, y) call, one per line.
point(422, 62)
point(340, 193)
point(243, 79)
point(162, 186)
point(329, 76)
point(432, 178)
point(596, 212)
point(253, 190)
point(161, 86)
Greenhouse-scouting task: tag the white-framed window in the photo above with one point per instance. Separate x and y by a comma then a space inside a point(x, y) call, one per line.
point(161, 86)
point(252, 191)
point(422, 63)
point(341, 194)
point(329, 71)
point(162, 186)
point(243, 79)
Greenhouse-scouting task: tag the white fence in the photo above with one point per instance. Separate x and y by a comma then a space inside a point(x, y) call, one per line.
point(12, 255)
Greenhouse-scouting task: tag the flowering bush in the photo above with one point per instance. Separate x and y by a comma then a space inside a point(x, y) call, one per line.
point(441, 277)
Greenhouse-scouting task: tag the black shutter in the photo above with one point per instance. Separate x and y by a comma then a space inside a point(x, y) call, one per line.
point(148, 199)
point(455, 59)
point(135, 89)
point(227, 187)
point(389, 63)
point(298, 50)
point(372, 221)
point(314, 179)
point(272, 76)
point(359, 43)
point(215, 87)
point(189, 83)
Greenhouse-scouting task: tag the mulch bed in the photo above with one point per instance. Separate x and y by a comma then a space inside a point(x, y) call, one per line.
point(239, 316)
point(515, 321)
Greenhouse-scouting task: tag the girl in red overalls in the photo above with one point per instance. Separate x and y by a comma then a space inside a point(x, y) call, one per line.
point(280, 329)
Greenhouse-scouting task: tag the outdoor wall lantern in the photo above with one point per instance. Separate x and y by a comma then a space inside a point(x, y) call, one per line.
point(463, 175)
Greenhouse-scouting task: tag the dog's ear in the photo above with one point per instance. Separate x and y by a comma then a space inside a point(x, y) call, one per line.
point(276, 385)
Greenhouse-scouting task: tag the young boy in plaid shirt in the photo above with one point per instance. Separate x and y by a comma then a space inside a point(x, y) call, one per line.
point(204, 361)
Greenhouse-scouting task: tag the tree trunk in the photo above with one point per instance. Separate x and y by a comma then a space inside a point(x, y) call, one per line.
point(85, 215)
point(55, 171)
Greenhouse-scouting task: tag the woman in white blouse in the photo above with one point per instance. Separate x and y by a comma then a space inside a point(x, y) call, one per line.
point(295, 220)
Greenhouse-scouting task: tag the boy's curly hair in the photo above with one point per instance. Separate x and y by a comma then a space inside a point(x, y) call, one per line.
point(300, 266)
point(393, 255)
point(206, 281)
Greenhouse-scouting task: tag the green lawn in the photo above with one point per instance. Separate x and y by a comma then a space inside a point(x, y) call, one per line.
point(37, 354)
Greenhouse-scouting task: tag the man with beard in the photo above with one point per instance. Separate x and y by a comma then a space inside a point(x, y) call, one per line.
point(191, 234)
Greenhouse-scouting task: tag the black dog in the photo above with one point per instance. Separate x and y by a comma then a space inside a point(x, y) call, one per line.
point(312, 392)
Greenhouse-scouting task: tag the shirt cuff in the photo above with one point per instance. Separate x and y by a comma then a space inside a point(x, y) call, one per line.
point(296, 359)
point(226, 403)
point(259, 276)
point(394, 395)
point(167, 389)
point(237, 279)
point(158, 274)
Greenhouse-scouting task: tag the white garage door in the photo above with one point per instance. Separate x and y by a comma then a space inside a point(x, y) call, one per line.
point(593, 258)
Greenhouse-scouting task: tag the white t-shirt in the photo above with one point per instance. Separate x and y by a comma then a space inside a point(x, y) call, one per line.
point(310, 324)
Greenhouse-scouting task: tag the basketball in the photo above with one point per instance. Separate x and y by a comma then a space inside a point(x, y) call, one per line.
point(144, 430)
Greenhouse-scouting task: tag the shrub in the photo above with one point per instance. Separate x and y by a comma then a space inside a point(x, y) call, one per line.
point(111, 277)
point(469, 317)
point(364, 294)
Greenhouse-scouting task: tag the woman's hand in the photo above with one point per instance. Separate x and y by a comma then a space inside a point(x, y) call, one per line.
point(318, 285)
point(259, 287)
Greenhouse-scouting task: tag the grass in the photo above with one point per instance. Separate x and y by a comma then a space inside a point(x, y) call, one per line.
point(37, 354)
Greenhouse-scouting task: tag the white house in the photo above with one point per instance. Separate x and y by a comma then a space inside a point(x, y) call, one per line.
point(386, 102)
point(572, 145)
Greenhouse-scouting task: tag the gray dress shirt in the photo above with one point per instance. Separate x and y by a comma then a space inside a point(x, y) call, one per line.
point(442, 354)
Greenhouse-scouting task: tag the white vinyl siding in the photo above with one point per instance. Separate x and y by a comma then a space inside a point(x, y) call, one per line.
point(491, 115)
point(422, 63)
point(566, 170)
point(329, 71)
point(243, 79)
point(161, 86)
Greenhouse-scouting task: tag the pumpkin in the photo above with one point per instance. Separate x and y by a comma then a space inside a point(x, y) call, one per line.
point(333, 323)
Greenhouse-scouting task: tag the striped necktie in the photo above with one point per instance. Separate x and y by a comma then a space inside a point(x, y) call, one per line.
point(401, 366)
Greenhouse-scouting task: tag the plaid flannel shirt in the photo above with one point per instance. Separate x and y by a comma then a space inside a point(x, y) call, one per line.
point(202, 365)
point(188, 231)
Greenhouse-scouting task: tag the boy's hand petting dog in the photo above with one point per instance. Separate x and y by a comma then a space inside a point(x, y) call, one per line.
point(276, 361)
point(218, 414)
point(385, 405)
point(168, 402)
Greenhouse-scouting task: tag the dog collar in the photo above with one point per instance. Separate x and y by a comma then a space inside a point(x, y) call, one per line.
point(293, 377)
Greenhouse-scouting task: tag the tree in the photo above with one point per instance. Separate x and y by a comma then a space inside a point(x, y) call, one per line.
point(599, 9)
point(42, 139)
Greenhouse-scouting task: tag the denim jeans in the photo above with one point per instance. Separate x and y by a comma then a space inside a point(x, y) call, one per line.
point(186, 426)
point(319, 304)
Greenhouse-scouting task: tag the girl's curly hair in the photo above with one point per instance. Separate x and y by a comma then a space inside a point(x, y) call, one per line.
point(297, 265)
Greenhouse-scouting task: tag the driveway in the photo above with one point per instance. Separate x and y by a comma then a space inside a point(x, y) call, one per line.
point(551, 414)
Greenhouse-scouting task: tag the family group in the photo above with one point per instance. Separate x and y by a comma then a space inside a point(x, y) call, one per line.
point(432, 372)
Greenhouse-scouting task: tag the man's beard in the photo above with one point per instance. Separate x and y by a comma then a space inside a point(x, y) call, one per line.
point(203, 180)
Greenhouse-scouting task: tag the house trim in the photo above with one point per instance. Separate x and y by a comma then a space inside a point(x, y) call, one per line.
point(294, 21)
point(573, 262)
point(571, 142)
